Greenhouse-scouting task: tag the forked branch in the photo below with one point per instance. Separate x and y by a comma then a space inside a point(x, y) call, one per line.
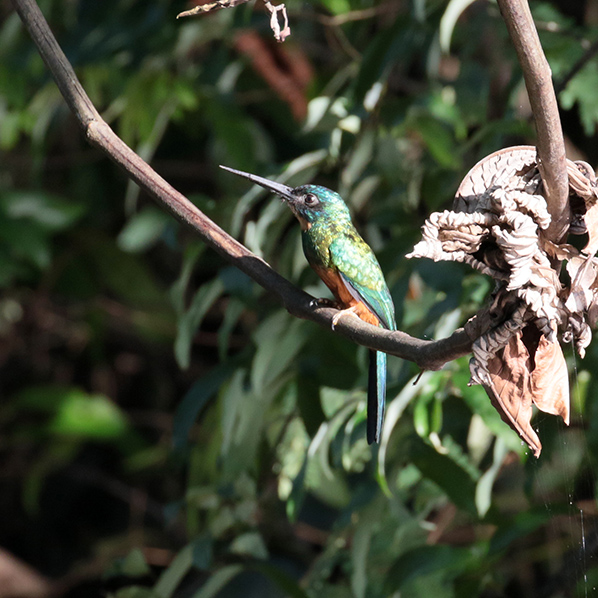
point(427, 354)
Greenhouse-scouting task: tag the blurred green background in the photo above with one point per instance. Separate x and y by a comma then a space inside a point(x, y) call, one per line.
point(166, 429)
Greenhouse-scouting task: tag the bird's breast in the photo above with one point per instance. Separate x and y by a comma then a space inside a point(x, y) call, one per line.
point(334, 281)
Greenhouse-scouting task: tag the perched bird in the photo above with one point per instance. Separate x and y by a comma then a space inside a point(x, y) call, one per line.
point(348, 266)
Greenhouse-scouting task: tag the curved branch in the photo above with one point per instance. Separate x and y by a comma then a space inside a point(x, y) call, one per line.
point(426, 354)
point(550, 142)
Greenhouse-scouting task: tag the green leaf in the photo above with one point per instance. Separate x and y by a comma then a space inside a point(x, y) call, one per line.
point(50, 212)
point(125, 274)
point(202, 552)
point(579, 90)
point(287, 584)
point(438, 138)
point(337, 7)
point(217, 581)
point(170, 578)
point(195, 401)
point(420, 562)
point(441, 469)
point(178, 290)
point(379, 56)
point(454, 9)
point(279, 339)
point(483, 491)
point(133, 565)
point(143, 230)
point(308, 400)
point(396, 407)
point(89, 416)
point(234, 311)
point(521, 525)
point(190, 321)
point(250, 544)
point(297, 495)
point(359, 560)
point(135, 592)
point(25, 241)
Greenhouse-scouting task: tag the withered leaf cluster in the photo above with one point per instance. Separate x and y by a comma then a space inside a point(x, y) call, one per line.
point(497, 226)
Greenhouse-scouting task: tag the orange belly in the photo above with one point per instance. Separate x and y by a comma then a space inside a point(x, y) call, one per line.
point(334, 281)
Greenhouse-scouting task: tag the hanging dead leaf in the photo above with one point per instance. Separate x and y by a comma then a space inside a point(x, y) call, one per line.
point(591, 222)
point(583, 272)
point(550, 380)
point(530, 370)
point(509, 389)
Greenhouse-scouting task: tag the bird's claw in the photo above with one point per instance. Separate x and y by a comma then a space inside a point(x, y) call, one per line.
point(322, 302)
point(344, 312)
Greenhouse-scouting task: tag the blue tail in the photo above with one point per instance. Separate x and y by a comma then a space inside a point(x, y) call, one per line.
point(376, 395)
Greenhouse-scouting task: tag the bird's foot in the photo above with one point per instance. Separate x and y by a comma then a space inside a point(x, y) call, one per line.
point(323, 302)
point(350, 311)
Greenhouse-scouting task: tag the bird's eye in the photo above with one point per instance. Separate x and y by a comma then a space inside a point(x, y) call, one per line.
point(310, 199)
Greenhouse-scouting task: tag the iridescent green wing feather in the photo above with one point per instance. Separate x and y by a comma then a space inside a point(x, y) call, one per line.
point(360, 270)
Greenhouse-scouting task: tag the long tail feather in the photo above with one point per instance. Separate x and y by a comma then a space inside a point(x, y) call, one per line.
point(376, 395)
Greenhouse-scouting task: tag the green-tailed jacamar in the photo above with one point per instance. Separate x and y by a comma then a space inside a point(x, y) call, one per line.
point(345, 262)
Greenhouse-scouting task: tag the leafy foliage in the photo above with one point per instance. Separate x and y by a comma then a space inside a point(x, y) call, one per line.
point(165, 420)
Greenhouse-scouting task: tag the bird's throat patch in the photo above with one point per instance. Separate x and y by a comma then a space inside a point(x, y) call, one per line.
point(305, 225)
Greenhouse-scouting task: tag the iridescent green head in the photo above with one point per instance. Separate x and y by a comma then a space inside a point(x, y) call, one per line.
point(310, 203)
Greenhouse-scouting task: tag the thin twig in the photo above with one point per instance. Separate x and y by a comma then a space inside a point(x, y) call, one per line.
point(550, 142)
point(209, 7)
point(279, 34)
point(427, 354)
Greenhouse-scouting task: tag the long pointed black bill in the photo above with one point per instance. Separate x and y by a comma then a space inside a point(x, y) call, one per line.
point(283, 190)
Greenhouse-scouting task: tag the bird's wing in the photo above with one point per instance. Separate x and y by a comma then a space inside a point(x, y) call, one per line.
point(362, 276)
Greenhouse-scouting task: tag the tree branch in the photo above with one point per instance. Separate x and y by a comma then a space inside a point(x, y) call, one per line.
point(550, 142)
point(426, 354)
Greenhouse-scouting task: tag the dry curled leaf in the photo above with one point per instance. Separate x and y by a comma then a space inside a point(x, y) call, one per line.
point(591, 222)
point(279, 34)
point(496, 226)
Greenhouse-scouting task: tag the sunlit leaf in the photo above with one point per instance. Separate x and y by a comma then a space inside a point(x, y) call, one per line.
point(250, 544)
point(454, 9)
point(483, 493)
point(359, 559)
point(92, 416)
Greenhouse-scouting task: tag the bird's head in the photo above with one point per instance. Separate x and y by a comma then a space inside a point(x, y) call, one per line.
point(310, 203)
